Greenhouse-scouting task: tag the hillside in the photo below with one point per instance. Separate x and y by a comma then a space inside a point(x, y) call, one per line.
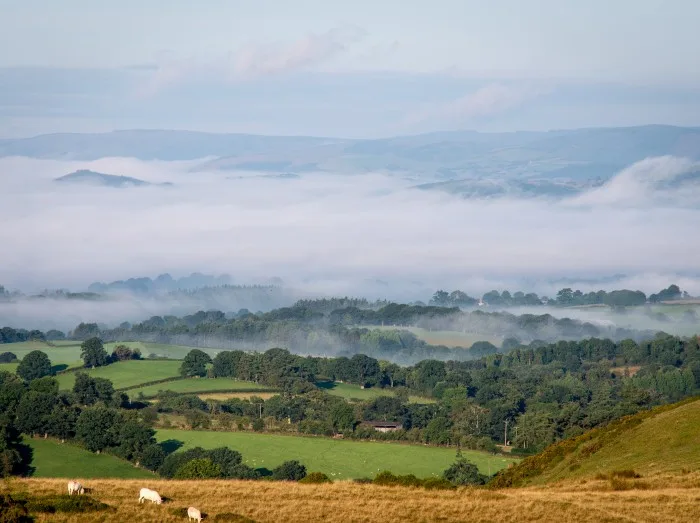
point(87, 177)
point(665, 440)
point(250, 502)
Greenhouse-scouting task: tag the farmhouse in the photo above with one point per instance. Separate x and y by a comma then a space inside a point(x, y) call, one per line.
point(384, 426)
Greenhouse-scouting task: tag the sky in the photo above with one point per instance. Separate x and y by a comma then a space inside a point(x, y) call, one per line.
point(355, 69)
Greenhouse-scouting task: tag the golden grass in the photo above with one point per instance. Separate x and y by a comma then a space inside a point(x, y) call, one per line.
point(223, 396)
point(582, 501)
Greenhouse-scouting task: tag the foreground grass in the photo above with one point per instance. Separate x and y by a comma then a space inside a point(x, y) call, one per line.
point(127, 373)
point(340, 459)
point(349, 391)
point(53, 459)
point(273, 502)
point(191, 385)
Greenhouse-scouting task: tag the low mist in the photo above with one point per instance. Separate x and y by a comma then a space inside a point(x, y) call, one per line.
point(369, 235)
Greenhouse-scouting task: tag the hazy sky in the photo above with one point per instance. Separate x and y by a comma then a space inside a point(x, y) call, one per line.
point(361, 68)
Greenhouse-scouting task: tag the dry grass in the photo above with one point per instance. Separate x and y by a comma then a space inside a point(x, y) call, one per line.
point(583, 501)
point(223, 396)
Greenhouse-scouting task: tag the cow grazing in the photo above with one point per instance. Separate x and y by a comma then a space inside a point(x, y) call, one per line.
point(75, 488)
point(150, 495)
point(194, 515)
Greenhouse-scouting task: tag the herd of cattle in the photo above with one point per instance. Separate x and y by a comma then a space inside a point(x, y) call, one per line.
point(145, 494)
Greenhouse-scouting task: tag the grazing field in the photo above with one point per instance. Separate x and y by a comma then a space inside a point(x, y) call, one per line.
point(161, 350)
point(447, 338)
point(127, 373)
point(63, 355)
point(223, 396)
point(338, 458)
point(273, 502)
point(193, 385)
point(354, 392)
point(53, 459)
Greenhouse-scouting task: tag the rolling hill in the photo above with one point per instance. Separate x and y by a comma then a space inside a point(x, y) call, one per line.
point(664, 440)
point(87, 177)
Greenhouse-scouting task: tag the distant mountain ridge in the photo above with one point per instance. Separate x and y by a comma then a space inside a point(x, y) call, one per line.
point(87, 177)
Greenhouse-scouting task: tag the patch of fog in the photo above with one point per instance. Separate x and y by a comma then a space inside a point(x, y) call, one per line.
point(364, 235)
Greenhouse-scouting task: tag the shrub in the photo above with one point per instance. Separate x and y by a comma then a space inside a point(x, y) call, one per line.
point(623, 484)
point(13, 510)
point(437, 484)
point(624, 474)
point(462, 472)
point(231, 517)
point(363, 481)
point(65, 503)
point(316, 477)
point(8, 357)
point(203, 468)
point(289, 471)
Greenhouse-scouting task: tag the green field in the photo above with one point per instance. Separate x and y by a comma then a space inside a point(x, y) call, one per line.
point(337, 458)
point(63, 355)
point(191, 385)
point(160, 350)
point(447, 338)
point(349, 391)
point(127, 373)
point(52, 459)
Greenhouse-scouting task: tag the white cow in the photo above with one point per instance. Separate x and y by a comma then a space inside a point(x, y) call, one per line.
point(75, 488)
point(194, 515)
point(150, 495)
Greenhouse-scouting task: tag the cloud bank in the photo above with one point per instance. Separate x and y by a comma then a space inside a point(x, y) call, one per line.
point(342, 234)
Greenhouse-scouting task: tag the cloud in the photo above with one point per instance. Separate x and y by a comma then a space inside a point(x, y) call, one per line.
point(486, 101)
point(254, 60)
point(320, 228)
point(663, 180)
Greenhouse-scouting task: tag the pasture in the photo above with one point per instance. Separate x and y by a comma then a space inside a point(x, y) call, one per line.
point(340, 459)
point(63, 354)
point(53, 459)
point(223, 396)
point(127, 373)
point(194, 385)
point(447, 338)
point(350, 391)
point(272, 502)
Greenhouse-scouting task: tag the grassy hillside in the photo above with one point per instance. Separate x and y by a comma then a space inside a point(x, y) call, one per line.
point(338, 458)
point(447, 338)
point(343, 501)
point(52, 459)
point(662, 440)
point(127, 373)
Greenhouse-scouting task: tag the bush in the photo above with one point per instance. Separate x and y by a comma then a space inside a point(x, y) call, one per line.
point(624, 474)
point(437, 484)
point(363, 481)
point(462, 472)
point(13, 510)
point(289, 471)
point(231, 517)
point(316, 477)
point(65, 503)
point(203, 468)
point(8, 357)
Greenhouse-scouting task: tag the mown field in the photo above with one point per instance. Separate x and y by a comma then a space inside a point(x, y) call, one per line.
point(354, 392)
point(273, 502)
point(447, 338)
point(127, 373)
point(53, 459)
point(192, 385)
point(338, 458)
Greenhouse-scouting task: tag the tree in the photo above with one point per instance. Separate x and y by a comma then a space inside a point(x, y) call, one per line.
point(8, 357)
point(94, 353)
point(98, 427)
point(34, 365)
point(124, 353)
point(85, 331)
point(12, 460)
point(195, 363)
point(152, 457)
point(34, 411)
point(203, 468)
point(289, 471)
point(462, 472)
point(226, 363)
point(62, 422)
point(90, 390)
point(342, 416)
